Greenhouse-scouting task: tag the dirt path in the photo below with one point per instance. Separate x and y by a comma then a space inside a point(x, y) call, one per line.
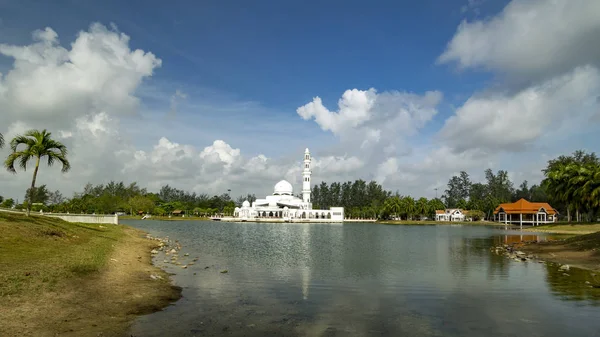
point(103, 304)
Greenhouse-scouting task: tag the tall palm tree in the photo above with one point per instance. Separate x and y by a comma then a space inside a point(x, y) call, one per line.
point(409, 207)
point(592, 188)
point(1, 141)
point(393, 206)
point(38, 144)
point(557, 185)
point(422, 207)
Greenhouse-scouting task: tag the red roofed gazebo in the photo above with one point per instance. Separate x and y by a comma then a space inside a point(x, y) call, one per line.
point(525, 212)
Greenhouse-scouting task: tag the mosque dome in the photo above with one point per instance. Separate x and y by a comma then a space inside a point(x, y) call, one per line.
point(283, 188)
point(246, 204)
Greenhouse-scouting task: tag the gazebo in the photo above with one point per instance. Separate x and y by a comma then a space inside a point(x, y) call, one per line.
point(525, 212)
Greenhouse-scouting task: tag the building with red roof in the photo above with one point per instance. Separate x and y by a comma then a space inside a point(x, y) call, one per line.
point(525, 212)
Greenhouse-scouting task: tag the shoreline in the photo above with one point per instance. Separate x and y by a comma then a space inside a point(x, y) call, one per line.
point(163, 218)
point(446, 223)
point(103, 302)
point(580, 251)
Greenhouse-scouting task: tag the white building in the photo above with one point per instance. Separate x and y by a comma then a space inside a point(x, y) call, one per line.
point(282, 205)
point(450, 214)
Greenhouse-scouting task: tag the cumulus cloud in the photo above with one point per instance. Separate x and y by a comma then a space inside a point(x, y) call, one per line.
point(530, 39)
point(374, 119)
point(220, 152)
point(50, 85)
point(511, 122)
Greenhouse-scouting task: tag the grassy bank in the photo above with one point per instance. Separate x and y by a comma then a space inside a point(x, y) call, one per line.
point(424, 223)
point(164, 218)
point(565, 228)
point(581, 251)
point(75, 279)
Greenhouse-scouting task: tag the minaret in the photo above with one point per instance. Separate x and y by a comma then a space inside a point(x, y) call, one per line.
point(306, 178)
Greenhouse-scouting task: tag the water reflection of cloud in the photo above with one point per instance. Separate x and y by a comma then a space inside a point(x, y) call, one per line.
point(358, 280)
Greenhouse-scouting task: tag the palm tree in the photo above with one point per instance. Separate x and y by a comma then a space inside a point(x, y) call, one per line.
point(557, 184)
point(393, 206)
point(592, 188)
point(422, 207)
point(1, 141)
point(409, 207)
point(38, 144)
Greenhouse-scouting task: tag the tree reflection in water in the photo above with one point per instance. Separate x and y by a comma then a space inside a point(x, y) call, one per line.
point(464, 251)
point(573, 286)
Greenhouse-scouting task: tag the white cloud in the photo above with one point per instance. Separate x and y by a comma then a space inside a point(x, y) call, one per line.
point(337, 164)
point(530, 39)
point(369, 119)
point(50, 85)
point(354, 109)
point(386, 169)
point(220, 151)
point(512, 122)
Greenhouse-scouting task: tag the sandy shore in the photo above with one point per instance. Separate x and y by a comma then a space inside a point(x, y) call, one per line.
point(582, 251)
point(102, 303)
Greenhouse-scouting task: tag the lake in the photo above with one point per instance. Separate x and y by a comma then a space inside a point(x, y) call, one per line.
point(363, 280)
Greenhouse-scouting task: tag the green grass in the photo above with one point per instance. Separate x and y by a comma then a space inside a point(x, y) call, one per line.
point(163, 218)
point(586, 242)
point(575, 228)
point(428, 222)
point(36, 252)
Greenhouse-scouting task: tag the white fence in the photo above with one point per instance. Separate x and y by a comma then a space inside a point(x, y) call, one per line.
point(84, 218)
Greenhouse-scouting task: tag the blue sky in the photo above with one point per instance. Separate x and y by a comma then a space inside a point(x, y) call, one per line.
point(238, 72)
point(278, 53)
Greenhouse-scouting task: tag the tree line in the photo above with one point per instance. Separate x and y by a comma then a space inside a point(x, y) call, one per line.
point(571, 184)
point(119, 197)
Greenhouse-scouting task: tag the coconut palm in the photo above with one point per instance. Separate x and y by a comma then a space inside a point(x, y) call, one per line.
point(557, 185)
point(422, 207)
point(1, 141)
point(409, 207)
point(393, 206)
point(38, 145)
point(591, 188)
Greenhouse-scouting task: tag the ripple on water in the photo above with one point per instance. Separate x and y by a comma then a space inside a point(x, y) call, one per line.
point(364, 280)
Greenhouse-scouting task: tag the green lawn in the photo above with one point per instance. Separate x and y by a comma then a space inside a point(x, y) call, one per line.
point(412, 222)
point(163, 218)
point(563, 228)
point(38, 252)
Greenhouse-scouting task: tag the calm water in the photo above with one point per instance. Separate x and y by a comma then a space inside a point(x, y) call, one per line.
point(363, 280)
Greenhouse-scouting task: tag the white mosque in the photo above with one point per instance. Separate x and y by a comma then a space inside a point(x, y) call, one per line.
point(283, 206)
